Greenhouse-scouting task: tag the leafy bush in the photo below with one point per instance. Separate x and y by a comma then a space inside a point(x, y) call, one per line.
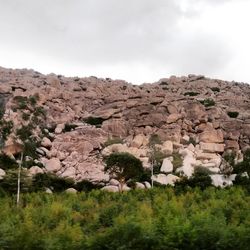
point(68, 127)
point(123, 166)
point(177, 160)
point(21, 102)
point(5, 128)
point(86, 186)
point(191, 93)
point(200, 179)
point(208, 102)
point(140, 219)
point(9, 182)
point(48, 180)
point(96, 121)
point(7, 163)
point(233, 114)
point(154, 139)
point(243, 166)
point(25, 116)
point(112, 141)
point(215, 89)
point(25, 132)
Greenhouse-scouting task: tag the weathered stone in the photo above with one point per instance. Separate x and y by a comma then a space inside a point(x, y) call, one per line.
point(114, 182)
point(139, 140)
point(212, 147)
point(167, 147)
point(147, 184)
point(163, 179)
point(139, 185)
point(52, 165)
point(59, 128)
point(46, 142)
point(219, 180)
point(233, 145)
point(167, 166)
point(2, 174)
point(110, 188)
point(213, 136)
point(188, 162)
point(35, 170)
point(173, 118)
point(71, 191)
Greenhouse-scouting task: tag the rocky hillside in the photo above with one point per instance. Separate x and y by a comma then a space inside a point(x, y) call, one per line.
point(74, 122)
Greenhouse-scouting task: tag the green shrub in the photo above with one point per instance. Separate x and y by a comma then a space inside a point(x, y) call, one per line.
point(215, 89)
point(69, 127)
point(177, 161)
point(86, 186)
point(200, 179)
point(96, 121)
point(9, 182)
point(233, 114)
point(154, 139)
point(21, 102)
point(5, 128)
point(208, 102)
point(7, 163)
point(25, 116)
point(191, 93)
point(25, 132)
point(33, 100)
point(111, 141)
point(52, 181)
point(123, 166)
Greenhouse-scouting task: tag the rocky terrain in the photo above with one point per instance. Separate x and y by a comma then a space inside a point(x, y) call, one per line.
point(78, 121)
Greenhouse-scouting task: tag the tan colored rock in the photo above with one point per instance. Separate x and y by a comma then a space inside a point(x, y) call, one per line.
point(233, 145)
point(116, 127)
point(112, 189)
point(46, 142)
point(59, 128)
point(212, 147)
point(167, 166)
point(71, 191)
point(35, 170)
point(167, 147)
point(139, 140)
point(163, 179)
point(52, 165)
point(2, 174)
point(139, 185)
point(173, 118)
point(212, 135)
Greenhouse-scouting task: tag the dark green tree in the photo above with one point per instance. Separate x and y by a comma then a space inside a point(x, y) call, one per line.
point(123, 166)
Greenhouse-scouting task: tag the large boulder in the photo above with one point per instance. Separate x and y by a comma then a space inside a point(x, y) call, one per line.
point(173, 118)
point(53, 165)
point(139, 140)
point(46, 142)
point(167, 147)
point(71, 191)
point(188, 162)
point(59, 128)
point(212, 147)
point(212, 136)
point(219, 180)
point(110, 188)
point(163, 179)
point(35, 170)
point(167, 166)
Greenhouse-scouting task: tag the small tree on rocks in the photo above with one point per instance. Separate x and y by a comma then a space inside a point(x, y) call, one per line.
point(123, 166)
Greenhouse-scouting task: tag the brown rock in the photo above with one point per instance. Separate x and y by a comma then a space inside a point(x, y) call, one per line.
point(212, 135)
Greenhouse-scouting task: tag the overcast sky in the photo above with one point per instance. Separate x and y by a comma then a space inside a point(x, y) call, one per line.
point(136, 40)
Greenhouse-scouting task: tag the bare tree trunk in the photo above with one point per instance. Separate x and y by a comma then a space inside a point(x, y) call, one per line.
point(19, 179)
point(152, 173)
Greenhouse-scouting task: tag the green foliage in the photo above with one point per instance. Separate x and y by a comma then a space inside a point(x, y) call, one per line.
point(140, 219)
point(68, 127)
point(33, 100)
point(111, 141)
point(200, 179)
point(96, 121)
point(233, 114)
point(191, 93)
point(21, 102)
point(177, 160)
point(243, 166)
point(25, 116)
point(123, 166)
point(9, 182)
point(7, 163)
point(5, 128)
point(230, 157)
point(86, 186)
point(52, 181)
point(208, 102)
point(215, 89)
point(25, 132)
point(154, 139)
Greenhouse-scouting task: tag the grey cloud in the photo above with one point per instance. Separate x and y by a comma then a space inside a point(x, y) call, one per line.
point(106, 32)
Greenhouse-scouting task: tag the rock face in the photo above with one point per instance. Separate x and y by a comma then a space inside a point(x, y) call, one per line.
point(163, 179)
point(82, 114)
point(2, 174)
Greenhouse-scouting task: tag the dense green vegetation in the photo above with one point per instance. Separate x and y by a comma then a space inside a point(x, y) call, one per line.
point(152, 219)
point(233, 114)
point(208, 102)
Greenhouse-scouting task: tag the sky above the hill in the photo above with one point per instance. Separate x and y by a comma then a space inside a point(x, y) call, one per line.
point(135, 40)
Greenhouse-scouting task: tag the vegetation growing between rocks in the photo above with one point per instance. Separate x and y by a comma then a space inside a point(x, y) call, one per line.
point(191, 93)
point(208, 102)
point(233, 114)
point(111, 141)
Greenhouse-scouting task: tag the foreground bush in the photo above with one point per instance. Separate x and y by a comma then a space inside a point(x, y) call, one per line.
point(152, 219)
